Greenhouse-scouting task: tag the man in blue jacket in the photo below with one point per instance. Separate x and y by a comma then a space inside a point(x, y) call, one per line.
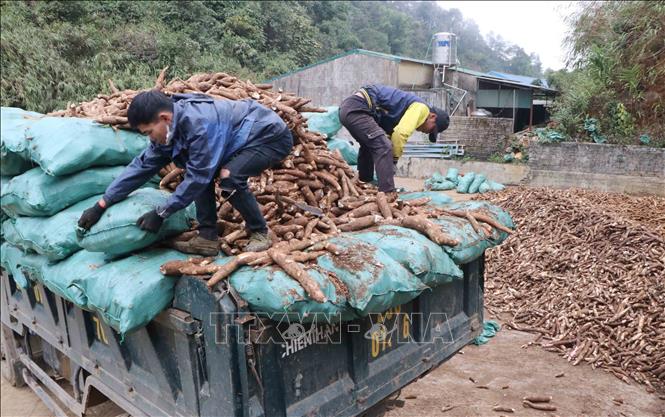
point(233, 140)
point(381, 119)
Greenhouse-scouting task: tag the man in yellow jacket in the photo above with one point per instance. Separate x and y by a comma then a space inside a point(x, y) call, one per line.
point(376, 112)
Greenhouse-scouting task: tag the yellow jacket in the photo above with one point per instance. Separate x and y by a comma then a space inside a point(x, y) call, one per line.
point(414, 116)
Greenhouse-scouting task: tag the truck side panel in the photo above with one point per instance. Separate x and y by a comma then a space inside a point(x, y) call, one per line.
point(209, 356)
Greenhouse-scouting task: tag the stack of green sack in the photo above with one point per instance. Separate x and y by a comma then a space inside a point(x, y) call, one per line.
point(328, 123)
point(53, 169)
point(382, 267)
point(469, 183)
point(101, 270)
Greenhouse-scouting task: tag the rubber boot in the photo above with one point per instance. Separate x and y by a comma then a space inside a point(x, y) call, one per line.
point(258, 242)
point(198, 246)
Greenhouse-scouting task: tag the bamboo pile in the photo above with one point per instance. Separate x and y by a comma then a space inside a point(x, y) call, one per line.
point(313, 195)
point(586, 272)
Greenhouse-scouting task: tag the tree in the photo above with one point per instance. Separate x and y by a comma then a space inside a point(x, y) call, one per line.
point(58, 52)
point(618, 53)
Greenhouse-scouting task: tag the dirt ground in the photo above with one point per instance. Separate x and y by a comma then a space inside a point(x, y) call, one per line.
point(504, 372)
point(474, 381)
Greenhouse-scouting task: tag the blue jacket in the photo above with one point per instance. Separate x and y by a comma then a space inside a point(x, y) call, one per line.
point(389, 104)
point(206, 134)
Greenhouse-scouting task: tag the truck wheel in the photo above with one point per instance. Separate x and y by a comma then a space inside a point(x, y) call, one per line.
point(11, 365)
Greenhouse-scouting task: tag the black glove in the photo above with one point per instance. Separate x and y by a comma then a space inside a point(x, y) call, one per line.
point(91, 216)
point(151, 221)
point(395, 161)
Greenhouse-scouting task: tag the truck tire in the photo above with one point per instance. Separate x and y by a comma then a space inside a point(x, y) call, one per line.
point(11, 365)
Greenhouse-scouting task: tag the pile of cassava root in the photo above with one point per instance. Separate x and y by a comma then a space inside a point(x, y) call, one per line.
point(311, 197)
point(586, 272)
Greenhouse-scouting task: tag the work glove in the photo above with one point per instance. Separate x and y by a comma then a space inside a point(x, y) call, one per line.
point(91, 216)
point(151, 221)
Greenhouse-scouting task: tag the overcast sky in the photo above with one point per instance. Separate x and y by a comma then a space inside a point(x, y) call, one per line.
point(536, 26)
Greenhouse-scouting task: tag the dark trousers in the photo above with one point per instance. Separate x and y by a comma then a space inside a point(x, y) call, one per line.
point(267, 146)
point(376, 150)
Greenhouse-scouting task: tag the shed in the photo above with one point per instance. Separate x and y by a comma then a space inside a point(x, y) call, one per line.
point(329, 81)
point(508, 97)
point(521, 98)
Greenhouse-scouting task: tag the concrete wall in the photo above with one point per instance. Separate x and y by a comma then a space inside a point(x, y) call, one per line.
point(481, 136)
point(414, 74)
point(329, 83)
point(614, 168)
point(509, 174)
point(610, 168)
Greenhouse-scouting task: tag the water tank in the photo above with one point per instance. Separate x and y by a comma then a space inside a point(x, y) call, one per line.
point(444, 49)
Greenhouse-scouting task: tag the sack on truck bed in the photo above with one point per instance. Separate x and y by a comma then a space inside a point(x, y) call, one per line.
point(58, 277)
point(116, 233)
point(422, 257)
point(327, 123)
point(375, 281)
point(472, 244)
point(23, 267)
point(270, 290)
point(34, 193)
point(14, 152)
point(435, 199)
point(349, 153)
point(126, 293)
point(4, 181)
point(54, 237)
point(370, 281)
point(64, 145)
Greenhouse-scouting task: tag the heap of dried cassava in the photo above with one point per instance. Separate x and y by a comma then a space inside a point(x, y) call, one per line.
point(586, 272)
point(313, 195)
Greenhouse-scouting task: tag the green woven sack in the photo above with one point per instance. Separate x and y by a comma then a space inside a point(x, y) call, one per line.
point(116, 233)
point(472, 244)
point(35, 193)
point(327, 123)
point(14, 146)
point(271, 291)
point(436, 199)
point(64, 145)
point(422, 257)
point(349, 153)
point(23, 267)
point(465, 182)
point(371, 282)
point(58, 277)
point(478, 180)
point(127, 293)
point(54, 237)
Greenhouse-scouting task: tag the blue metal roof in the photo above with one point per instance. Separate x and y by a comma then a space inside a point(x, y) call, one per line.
point(522, 79)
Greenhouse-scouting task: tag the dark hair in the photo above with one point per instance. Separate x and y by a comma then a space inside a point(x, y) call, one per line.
point(146, 106)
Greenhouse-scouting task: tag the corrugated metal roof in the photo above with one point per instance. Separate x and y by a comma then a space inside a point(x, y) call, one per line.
point(522, 79)
point(489, 77)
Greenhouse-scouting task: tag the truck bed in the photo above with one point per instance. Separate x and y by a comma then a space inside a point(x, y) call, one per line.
point(208, 355)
